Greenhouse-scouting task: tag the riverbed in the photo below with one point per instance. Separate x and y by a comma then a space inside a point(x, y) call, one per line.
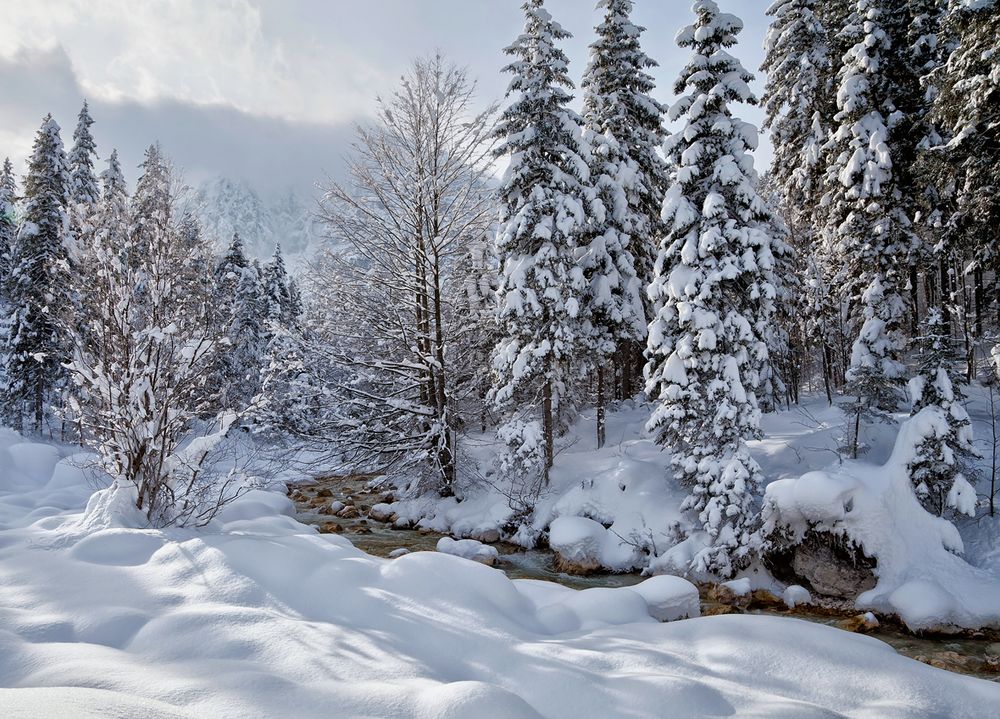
point(975, 653)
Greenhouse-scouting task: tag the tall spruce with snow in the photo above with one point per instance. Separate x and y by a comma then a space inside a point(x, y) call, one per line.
point(39, 288)
point(84, 190)
point(8, 229)
point(967, 108)
point(239, 302)
point(941, 465)
point(277, 299)
point(545, 203)
point(867, 227)
point(798, 102)
point(707, 343)
point(623, 125)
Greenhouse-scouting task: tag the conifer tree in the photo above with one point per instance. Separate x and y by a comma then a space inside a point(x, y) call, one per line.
point(8, 229)
point(39, 288)
point(239, 302)
point(545, 202)
point(868, 229)
point(84, 191)
point(942, 464)
point(276, 297)
point(707, 343)
point(623, 125)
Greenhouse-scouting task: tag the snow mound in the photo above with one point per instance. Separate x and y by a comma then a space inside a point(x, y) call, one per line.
point(583, 542)
point(669, 598)
point(921, 576)
point(469, 549)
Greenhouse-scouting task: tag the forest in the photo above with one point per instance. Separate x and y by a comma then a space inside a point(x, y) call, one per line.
point(580, 326)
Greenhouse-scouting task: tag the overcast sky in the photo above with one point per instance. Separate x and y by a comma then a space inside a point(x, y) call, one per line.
point(268, 91)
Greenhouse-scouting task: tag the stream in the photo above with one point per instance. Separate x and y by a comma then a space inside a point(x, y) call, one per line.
point(974, 653)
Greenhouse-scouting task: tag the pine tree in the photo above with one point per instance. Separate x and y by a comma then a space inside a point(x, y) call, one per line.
point(623, 125)
point(966, 107)
point(8, 229)
point(874, 376)
point(798, 101)
point(39, 287)
point(868, 229)
point(239, 302)
point(707, 343)
point(545, 202)
point(277, 299)
point(84, 191)
point(943, 459)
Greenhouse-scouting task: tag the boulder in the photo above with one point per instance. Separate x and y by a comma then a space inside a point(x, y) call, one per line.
point(330, 528)
point(398, 552)
point(324, 492)
point(487, 536)
point(349, 512)
point(469, 549)
point(578, 543)
point(381, 512)
point(795, 595)
point(669, 598)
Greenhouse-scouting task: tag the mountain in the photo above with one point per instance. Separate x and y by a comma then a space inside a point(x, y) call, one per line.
point(224, 206)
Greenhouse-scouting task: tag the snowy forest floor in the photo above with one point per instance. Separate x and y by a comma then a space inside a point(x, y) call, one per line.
point(257, 615)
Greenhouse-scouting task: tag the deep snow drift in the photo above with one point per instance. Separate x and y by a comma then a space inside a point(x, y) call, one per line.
point(259, 616)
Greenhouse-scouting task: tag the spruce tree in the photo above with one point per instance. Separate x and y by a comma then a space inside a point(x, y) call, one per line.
point(798, 103)
point(276, 297)
point(942, 465)
point(239, 303)
point(8, 229)
point(39, 288)
point(545, 202)
point(623, 125)
point(707, 343)
point(868, 230)
point(84, 191)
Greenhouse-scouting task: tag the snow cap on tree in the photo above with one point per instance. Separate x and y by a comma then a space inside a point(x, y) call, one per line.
point(707, 343)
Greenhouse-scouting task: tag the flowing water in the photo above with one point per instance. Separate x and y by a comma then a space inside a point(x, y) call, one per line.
point(976, 654)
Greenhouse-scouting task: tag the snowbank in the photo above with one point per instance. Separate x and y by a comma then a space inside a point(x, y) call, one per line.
point(920, 575)
point(259, 616)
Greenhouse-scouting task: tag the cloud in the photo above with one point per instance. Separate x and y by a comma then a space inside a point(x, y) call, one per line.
point(203, 139)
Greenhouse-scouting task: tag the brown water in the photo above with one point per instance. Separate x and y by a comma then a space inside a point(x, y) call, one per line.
point(975, 654)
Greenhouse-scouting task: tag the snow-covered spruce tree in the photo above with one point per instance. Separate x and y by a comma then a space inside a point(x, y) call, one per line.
point(39, 288)
point(8, 232)
point(84, 191)
point(620, 120)
point(277, 300)
point(798, 103)
point(625, 127)
point(867, 231)
point(239, 308)
point(942, 463)
point(707, 343)
point(139, 363)
point(967, 107)
point(416, 196)
point(875, 377)
point(545, 203)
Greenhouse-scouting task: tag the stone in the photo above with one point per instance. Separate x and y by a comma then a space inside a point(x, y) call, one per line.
point(727, 595)
point(381, 512)
point(861, 623)
point(487, 536)
point(349, 512)
point(765, 598)
point(330, 528)
point(324, 492)
point(576, 566)
point(398, 552)
point(359, 529)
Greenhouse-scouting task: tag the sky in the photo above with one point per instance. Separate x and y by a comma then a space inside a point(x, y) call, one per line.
point(269, 91)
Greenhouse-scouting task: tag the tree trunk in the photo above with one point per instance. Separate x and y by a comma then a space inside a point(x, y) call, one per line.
point(914, 301)
point(600, 404)
point(548, 428)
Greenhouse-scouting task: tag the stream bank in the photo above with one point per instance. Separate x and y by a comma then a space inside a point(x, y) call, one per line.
point(342, 505)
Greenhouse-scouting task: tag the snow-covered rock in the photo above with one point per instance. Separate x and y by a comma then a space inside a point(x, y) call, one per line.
point(669, 598)
point(920, 575)
point(469, 549)
point(795, 595)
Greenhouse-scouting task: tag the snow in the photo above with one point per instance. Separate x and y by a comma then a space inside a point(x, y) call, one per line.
point(794, 595)
point(258, 615)
point(921, 576)
point(468, 549)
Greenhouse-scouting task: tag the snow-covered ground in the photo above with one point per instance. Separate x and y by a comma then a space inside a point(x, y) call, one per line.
point(259, 616)
point(931, 574)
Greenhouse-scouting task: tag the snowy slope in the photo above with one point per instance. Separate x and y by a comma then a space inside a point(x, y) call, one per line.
point(224, 206)
point(259, 616)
